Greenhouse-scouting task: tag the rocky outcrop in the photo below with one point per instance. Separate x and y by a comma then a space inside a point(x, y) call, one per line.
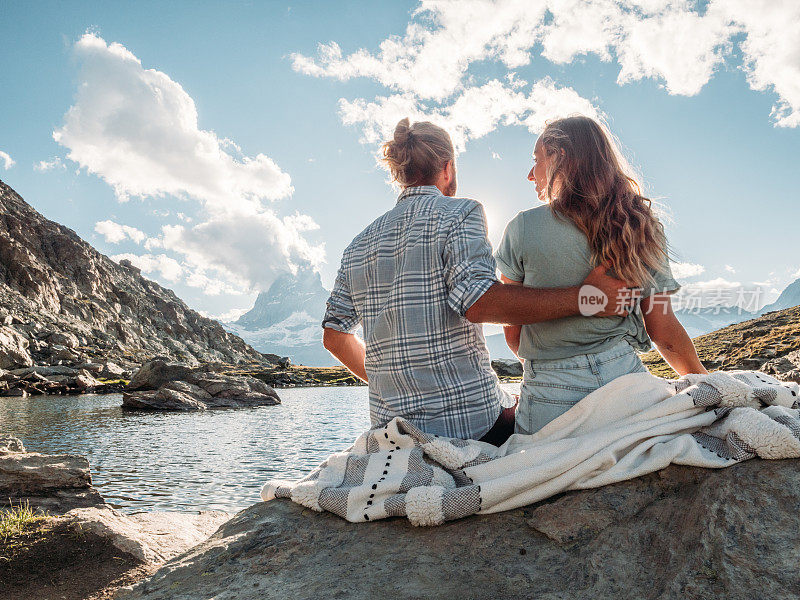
point(149, 537)
point(13, 349)
point(163, 385)
point(682, 532)
point(507, 368)
point(51, 483)
point(785, 368)
point(60, 379)
point(64, 303)
point(77, 546)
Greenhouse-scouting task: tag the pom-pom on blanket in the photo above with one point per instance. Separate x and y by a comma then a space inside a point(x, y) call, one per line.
point(634, 425)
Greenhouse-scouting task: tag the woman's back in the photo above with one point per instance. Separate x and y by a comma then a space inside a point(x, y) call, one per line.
point(542, 250)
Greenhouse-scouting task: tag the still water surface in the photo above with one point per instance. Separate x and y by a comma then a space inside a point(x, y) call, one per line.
point(191, 461)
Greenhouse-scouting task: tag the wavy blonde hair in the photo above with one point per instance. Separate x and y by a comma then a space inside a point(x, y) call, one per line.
point(590, 183)
point(416, 153)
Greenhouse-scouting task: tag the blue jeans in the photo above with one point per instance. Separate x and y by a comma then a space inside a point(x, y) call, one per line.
point(551, 387)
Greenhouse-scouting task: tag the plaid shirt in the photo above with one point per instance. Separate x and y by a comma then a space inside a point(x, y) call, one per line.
point(408, 279)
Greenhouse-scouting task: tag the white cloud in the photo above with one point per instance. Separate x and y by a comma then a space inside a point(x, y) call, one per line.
point(796, 274)
point(730, 269)
point(684, 270)
point(137, 129)
point(771, 51)
point(167, 267)
point(677, 42)
point(8, 162)
point(49, 165)
point(496, 156)
point(114, 233)
point(720, 283)
point(476, 112)
point(235, 243)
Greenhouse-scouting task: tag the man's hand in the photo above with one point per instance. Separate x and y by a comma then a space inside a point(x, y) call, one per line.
point(601, 295)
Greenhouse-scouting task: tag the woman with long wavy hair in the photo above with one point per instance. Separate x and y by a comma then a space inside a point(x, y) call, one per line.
point(594, 214)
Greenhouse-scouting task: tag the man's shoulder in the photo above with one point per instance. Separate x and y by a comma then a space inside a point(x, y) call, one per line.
point(455, 209)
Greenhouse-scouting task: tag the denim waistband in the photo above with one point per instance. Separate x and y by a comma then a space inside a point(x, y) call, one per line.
point(580, 361)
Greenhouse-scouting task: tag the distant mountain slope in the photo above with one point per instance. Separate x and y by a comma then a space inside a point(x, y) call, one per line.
point(747, 345)
point(705, 320)
point(53, 282)
point(286, 319)
point(789, 297)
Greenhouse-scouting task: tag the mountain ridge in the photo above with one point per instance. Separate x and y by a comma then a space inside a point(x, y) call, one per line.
point(58, 292)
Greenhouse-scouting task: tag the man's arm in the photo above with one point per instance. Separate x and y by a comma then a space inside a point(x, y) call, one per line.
point(518, 305)
point(669, 336)
point(348, 349)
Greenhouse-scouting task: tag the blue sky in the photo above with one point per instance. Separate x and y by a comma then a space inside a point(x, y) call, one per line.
point(706, 108)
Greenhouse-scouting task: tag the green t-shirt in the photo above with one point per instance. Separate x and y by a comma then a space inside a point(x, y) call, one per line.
point(544, 251)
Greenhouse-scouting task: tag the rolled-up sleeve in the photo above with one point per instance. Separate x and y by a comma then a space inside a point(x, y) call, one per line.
point(340, 313)
point(469, 267)
point(663, 281)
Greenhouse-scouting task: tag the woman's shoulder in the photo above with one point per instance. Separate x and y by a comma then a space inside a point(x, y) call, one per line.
point(543, 216)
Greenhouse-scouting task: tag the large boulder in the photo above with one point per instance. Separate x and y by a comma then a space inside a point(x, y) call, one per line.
point(161, 385)
point(166, 398)
point(53, 483)
point(152, 375)
point(14, 351)
point(680, 533)
point(149, 537)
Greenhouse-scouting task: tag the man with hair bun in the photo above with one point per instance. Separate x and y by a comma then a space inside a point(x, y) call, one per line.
point(420, 280)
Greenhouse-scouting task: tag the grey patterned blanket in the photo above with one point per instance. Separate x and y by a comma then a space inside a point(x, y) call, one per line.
point(634, 425)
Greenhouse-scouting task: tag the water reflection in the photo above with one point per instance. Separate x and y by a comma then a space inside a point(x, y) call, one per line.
point(190, 461)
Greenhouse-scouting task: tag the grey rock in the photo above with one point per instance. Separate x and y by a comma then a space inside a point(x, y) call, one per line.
point(680, 533)
point(156, 373)
point(63, 338)
point(49, 371)
point(10, 445)
point(163, 399)
point(93, 367)
point(54, 483)
point(62, 353)
point(13, 349)
point(16, 392)
point(150, 537)
point(84, 381)
point(162, 385)
point(111, 371)
point(785, 368)
point(507, 368)
point(187, 388)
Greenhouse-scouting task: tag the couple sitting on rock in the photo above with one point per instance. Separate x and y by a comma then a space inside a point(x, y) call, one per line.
point(585, 286)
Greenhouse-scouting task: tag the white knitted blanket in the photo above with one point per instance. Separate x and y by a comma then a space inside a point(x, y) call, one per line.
point(634, 425)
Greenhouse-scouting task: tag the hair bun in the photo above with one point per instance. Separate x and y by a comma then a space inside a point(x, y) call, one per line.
point(402, 131)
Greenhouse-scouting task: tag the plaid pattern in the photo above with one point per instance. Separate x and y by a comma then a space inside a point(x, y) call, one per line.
point(408, 279)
